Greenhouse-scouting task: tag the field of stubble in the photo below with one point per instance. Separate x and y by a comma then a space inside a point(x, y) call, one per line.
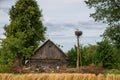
point(62, 76)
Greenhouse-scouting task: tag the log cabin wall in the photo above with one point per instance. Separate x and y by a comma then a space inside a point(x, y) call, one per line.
point(48, 55)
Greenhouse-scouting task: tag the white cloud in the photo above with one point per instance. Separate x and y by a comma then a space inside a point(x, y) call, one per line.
point(65, 10)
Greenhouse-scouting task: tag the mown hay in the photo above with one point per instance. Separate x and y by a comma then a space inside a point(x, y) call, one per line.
point(62, 76)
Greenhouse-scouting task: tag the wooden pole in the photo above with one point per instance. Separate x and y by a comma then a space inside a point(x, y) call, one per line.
point(78, 56)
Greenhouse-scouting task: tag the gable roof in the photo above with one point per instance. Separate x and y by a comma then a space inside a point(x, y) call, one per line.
point(39, 52)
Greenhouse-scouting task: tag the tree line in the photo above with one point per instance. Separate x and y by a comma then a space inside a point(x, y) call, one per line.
point(103, 53)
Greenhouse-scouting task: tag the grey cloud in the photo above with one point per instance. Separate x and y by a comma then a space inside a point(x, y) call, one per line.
point(82, 25)
point(59, 25)
point(92, 25)
point(54, 27)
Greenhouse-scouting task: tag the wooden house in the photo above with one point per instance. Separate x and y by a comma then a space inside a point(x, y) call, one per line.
point(48, 55)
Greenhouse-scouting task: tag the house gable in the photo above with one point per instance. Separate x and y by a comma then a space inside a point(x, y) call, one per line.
point(49, 51)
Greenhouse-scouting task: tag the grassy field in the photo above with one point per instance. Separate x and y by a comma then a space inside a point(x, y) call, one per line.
point(62, 76)
point(112, 72)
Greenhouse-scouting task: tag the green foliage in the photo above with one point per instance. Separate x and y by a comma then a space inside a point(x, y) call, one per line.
point(87, 53)
point(72, 57)
point(6, 60)
point(4, 68)
point(24, 32)
point(116, 56)
point(113, 34)
point(112, 72)
point(105, 54)
point(107, 11)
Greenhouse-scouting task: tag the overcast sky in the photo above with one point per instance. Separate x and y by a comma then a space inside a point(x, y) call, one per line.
point(62, 18)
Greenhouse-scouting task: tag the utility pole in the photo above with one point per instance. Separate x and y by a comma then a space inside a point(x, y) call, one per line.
point(78, 34)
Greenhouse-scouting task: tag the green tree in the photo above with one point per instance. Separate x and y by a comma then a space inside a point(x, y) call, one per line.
point(105, 54)
point(113, 34)
point(116, 57)
point(87, 52)
point(72, 57)
point(24, 32)
point(107, 11)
